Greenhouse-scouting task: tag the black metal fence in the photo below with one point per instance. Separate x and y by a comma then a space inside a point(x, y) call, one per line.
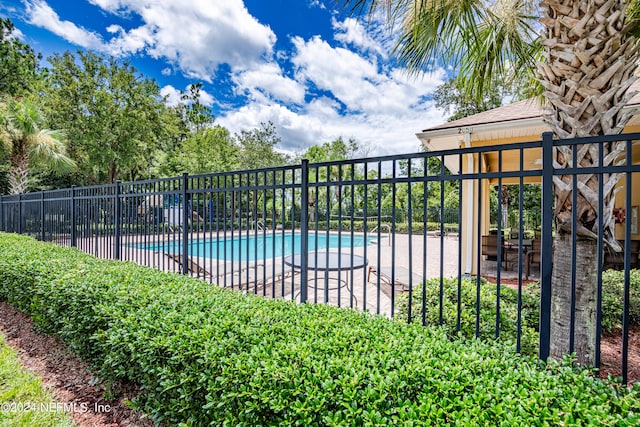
point(377, 234)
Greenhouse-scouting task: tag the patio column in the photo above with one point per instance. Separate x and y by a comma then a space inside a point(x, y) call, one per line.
point(471, 210)
point(470, 194)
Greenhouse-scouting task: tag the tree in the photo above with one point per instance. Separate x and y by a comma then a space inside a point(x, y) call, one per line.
point(116, 119)
point(337, 149)
point(585, 56)
point(196, 115)
point(459, 104)
point(257, 147)
point(18, 62)
point(206, 151)
point(28, 144)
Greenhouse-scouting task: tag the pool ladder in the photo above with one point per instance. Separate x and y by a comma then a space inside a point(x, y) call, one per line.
point(381, 227)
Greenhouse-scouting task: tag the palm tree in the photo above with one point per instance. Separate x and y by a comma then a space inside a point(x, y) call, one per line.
point(29, 145)
point(584, 55)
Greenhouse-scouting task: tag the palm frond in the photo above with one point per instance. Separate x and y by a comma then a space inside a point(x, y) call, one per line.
point(504, 44)
point(46, 148)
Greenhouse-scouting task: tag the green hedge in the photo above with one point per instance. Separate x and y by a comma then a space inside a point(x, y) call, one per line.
point(400, 227)
point(613, 299)
point(612, 307)
point(209, 356)
point(488, 308)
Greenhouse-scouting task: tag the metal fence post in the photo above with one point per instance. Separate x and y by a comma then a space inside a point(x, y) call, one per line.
point(304, 230)
point(1, 214)
point(546, 253)
point(19, 213)
point(42, 221)
point(116, 222)
point(185, 222)
point(73, 217)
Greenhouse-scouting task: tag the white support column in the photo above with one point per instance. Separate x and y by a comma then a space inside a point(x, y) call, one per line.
point(470, 225)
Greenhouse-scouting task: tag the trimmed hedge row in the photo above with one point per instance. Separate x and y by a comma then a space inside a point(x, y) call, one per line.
point(400, 227)
point(613, 299)
point(612, 307)
point(467, 290)
point(209, 356)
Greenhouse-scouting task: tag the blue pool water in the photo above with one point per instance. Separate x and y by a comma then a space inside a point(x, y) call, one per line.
point(260, 247)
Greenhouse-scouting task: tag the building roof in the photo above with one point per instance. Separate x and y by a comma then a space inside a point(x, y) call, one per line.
point(527, 109)
point(522, 110)
point(517, 122)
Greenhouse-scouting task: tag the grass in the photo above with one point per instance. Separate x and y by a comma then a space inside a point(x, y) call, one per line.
point(23, 400)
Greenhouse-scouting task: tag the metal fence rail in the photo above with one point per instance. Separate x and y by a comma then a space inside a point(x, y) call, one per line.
point(367, 233)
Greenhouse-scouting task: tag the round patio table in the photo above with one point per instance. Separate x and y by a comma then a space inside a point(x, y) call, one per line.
point(329, 262)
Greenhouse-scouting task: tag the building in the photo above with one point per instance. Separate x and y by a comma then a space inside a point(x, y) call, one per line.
point(518, 122)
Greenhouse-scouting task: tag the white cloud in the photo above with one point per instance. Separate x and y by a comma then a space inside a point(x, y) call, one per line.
point(381, 109)
point(320, 122)
point(266, 81)
point(205, 97)
point(352, 32)
point(172, 95)
point(42, 15)
point(317, 3)
point(356, 81)
point(196, 36)
point(350, 90)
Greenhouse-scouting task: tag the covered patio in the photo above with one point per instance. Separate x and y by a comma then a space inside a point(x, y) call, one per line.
point(511, 124)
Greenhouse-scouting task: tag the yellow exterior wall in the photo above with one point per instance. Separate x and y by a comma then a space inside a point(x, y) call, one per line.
point(635, 201)
point(511, 162)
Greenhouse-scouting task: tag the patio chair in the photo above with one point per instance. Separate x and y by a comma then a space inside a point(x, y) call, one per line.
point(509, 253)
point(615, 260)
point(193, 268)
point(402, 277)
point(533, 256)
point(240, 275)
point(490, 247)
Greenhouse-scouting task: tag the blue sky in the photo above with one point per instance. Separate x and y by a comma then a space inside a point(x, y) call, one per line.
point(313, 71)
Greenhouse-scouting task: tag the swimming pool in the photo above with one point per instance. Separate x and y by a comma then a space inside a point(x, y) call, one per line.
point(260, 247)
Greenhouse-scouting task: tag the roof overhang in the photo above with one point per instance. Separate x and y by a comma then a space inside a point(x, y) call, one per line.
point(442, 139)
point(526, 129)
point(498, 132)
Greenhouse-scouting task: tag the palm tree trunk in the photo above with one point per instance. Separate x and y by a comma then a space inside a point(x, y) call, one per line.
point(19, 172)
point(588, 70)
point(584, 344)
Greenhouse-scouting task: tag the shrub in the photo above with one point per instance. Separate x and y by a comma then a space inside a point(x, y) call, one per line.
point(467, 290)
point(209, 356)
point(613, 298)
point(400, 227)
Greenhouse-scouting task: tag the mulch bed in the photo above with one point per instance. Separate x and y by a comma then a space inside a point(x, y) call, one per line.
point(66, 375)
point(611, 355)
point(610, 345)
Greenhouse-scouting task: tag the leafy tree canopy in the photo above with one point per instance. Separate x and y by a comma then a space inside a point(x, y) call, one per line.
point(210, 150)
point(338, 149)
point(456, 101)
point(196, 115)
point(257, 147)
point(115, 118)
point(18, 62)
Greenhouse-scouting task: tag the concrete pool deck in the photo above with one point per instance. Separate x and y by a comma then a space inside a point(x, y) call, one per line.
point(407, 259)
